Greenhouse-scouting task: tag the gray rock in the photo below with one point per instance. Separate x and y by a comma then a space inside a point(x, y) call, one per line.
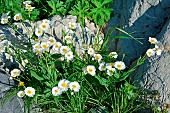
point(144, 17)
point(13, 105)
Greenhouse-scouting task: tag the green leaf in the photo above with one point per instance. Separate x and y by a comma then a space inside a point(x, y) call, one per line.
point(102, 81)
point(36, 76)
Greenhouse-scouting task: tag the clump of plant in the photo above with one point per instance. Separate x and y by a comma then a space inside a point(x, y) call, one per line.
point(58, 76)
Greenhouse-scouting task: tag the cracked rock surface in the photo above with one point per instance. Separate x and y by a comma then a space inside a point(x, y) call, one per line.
point(147, 18)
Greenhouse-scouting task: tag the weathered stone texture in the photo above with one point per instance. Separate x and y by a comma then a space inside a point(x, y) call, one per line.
point(146, 18)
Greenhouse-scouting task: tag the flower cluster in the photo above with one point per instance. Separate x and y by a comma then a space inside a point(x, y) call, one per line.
point(154, 51)
point(28, 5)
point(3, 43)
point(63, 85)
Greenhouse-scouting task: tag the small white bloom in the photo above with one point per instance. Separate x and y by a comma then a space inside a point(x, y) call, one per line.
point(69, 55)
point(84, 46)
point(46, 21)
point(64, 84)
point(29, 91)
point(29, 7)
point(27, 2)
point(38, 51)
point(150, 52)
point(119, 65)
point(4, 20)
point(74, 86)
point(91, 51)
point(102, 67)
point(20, 94)
point(15, 72)
point(56, 91)
point(97, 57)
point(5, 15)
point(84, 70)
point(4, 43)
point(56, 46)
point(111, 71)
point(38, 32)
point(2, 36)
point(45, 46)
point(72, 25)
point(153, 40)
point(68, 39)
point(68, 31)
point(113, 54)
point(44, 26)
point(91, 70)
point(36, 46)
point(51, 41)
point(157, 50)
point(18, 17)
point(64, 50)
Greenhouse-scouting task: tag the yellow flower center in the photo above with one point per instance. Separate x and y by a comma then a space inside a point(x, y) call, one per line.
point(39, 31)
point(74, 86)
point(56, 91)
point(65, 50)
point(38, 52)
point(52, 41)
point(64, 85)
point(68, 55)
point(16, 73)
point(150, 53)
point(5, 20)
point(68, 39)
point(22, 94)
point(111, 64)
point(57, 46)
point(18, 18)
point(119, 66)
point(44, 46)
point(90, 70)
point(1, 37)
point(36, 40)
point(29, 92)
point(21, 83)
point(72, 26)
point(44, 26)
point(97, 57)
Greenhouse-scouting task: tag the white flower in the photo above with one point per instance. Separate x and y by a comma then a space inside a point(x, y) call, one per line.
point(68, 39)
point(97, 57)
point(72, 25)
point(29, 91)
point(157, 50)
point(44, 26)
point(84, 46)
point(4, 20)
point(46, 21)
point(20, 94)
point(2, 36)
point(56, 91)
point(38, 32)
point(102, 67)
point(64, 50)
point(64, 84)
point(68, 31)
point(150, 52)
point(57, 46)
point(18, 17)
point(91, 70)
point(113, 54)
point(74, 86)
point(84, 70)
point(36, 46)
point(45, 46)
point(69, 55)
point(29, 7)
point(2, 47)
point(51, 41)
point(4, 43)
point(91, 51)
point(38, 51)
point(27, 2)
point(119, 65)
point(15, 72)
point(153, 40)
point(111, 71)
point(5, 15)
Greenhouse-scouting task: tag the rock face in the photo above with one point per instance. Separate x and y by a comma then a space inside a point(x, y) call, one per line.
point(147, 18)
